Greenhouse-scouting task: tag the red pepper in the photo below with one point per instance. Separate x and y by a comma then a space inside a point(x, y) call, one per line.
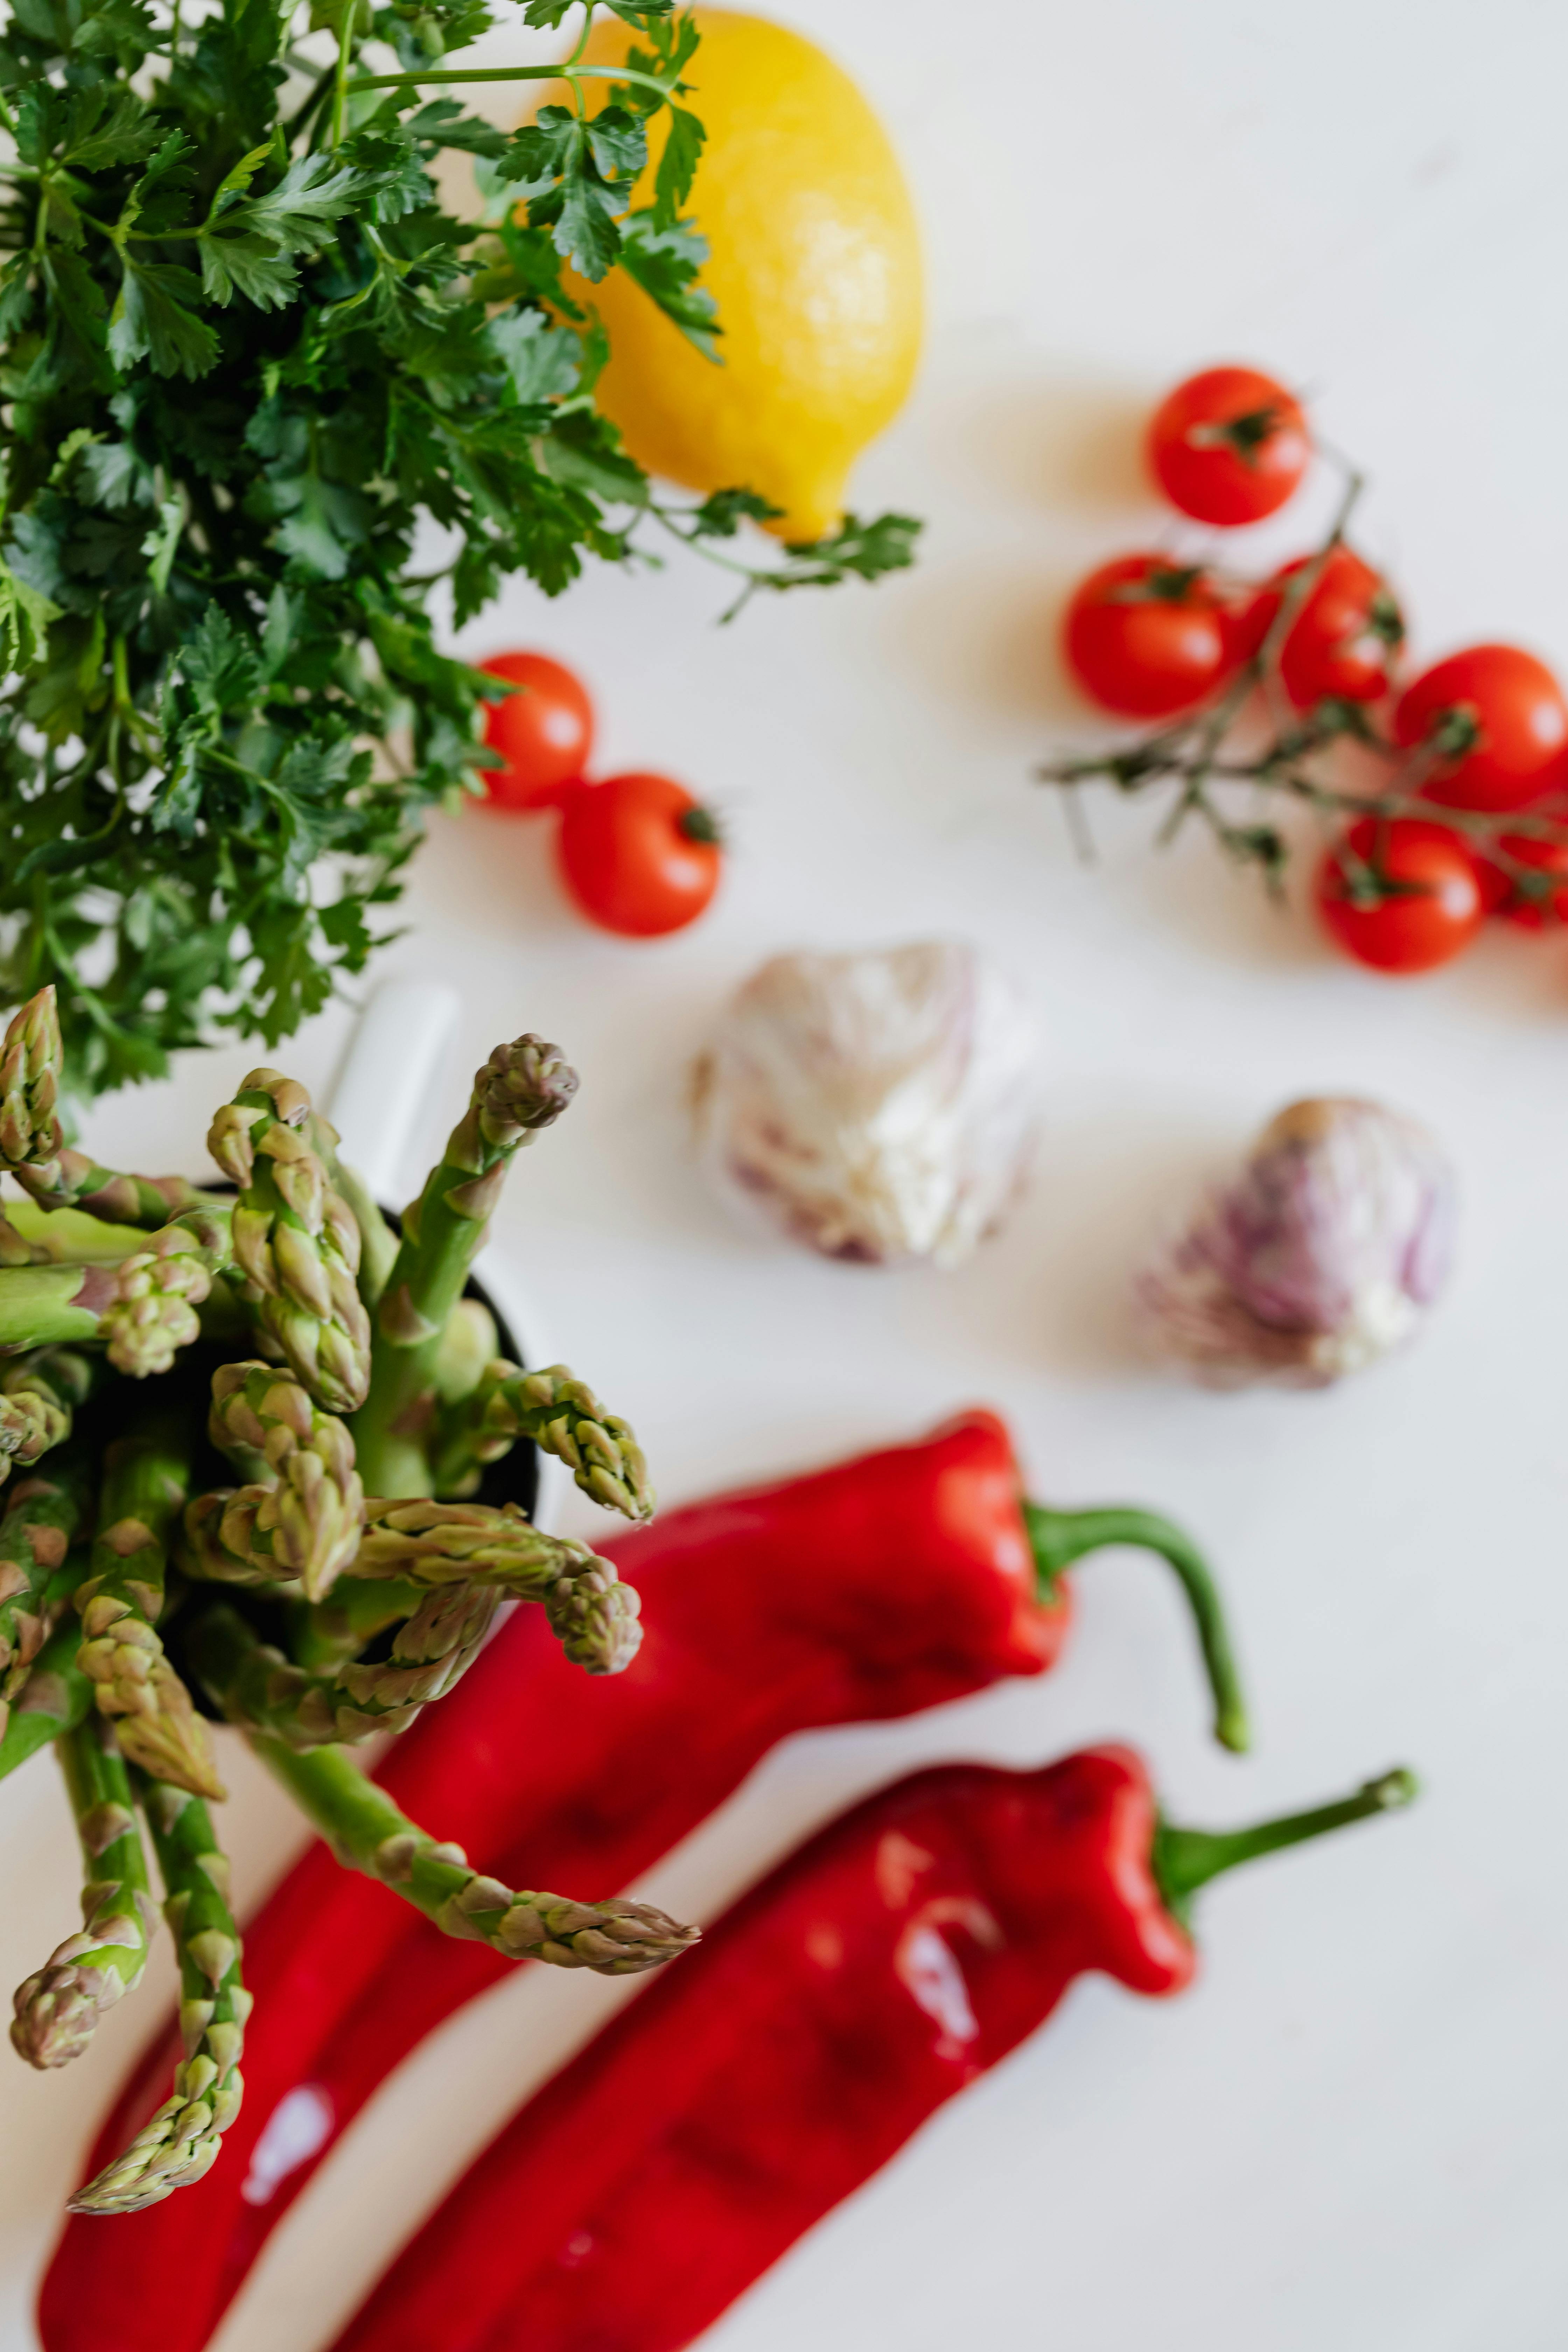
point(905, 1949)
point(880, 1586)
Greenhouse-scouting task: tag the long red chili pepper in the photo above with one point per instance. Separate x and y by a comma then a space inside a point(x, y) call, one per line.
point(888, 1962)
point(883, 1585)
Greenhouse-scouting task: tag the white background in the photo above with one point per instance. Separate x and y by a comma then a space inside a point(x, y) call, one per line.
point(1353, 2131)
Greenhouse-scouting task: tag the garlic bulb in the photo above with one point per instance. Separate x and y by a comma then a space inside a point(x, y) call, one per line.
point(1321, 1254)
point(877, 1107)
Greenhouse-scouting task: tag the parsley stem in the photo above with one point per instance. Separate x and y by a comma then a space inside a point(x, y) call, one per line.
point(296, 122)
point(517, 73)
point(583, 36)
point(341, 87)
point(577, 90)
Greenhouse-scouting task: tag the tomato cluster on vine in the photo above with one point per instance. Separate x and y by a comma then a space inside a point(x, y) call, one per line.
point(1483, 732)
point(639, 855)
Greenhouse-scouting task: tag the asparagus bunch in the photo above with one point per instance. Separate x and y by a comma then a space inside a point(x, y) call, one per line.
point(150, 1333)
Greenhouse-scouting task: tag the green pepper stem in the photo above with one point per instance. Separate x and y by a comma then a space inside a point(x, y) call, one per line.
point(1185, 1860)
point(1060, 1538)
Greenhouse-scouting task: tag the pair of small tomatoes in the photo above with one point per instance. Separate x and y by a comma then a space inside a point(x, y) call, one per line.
point(1487, 730)
point(638, 853)
point(1149, 638)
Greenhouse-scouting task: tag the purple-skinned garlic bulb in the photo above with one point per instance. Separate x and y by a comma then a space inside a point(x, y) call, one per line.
point(1322, 1253)
point(877, 1107)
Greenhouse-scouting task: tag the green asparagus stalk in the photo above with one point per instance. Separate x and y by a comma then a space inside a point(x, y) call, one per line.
point(74, 1180)
point(183, 2140)
point(70, 1237)
point(296, 1240)
point(54, 1698)
point(263, 1691)
point(523, 1088)
point(327, 1635)
point(593, 1615)
point(562, 1415)
point(468, 1345)
point(368, 1833)
point(301, 1513)
point(144, 1479)
point(31, 1061)
point(53, 1305)
point(42, 1515)
point(378, 1243)
point(38, 1398)
point(57, 2008)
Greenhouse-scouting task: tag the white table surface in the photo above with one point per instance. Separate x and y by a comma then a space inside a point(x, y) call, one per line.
point(1351, 2132)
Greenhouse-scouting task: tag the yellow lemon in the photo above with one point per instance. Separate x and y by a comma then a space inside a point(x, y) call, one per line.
point(813, 261)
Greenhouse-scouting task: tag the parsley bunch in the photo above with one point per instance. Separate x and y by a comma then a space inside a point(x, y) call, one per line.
point(243, 350)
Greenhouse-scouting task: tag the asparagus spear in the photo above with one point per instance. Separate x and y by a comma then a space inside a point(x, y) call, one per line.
point(594, 1616)
point(302, 1514)
point(57, 2008)
point(40, 1522)
point(30, 1062)
point(368, 1833)
point(144, 1479)
point(184, 2137)
point(56, 1697)
point(143, 1305)
point(523, 1088)
point(562, 1415)
point(31, 1144)
point(152, 1312)
point(296, 1240)
point(38, 1398)
point(74, 1180)
point(263, 1691)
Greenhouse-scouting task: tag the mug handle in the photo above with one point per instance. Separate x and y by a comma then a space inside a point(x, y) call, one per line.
point(392, 1063)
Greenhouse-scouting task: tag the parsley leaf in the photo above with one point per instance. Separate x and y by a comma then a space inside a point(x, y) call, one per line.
point(856, 551)
point(665, 263)
point(578, 176)
point(154, 319)
point(676, 173)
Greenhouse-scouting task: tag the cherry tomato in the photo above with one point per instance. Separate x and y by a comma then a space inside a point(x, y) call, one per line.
point(1229, 446)
point(1497, 719)
point(544, 733)
point(1343, 639)
point(1145, 636)
point(1402, 896)
point(640, 854)
point(1533, 906)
